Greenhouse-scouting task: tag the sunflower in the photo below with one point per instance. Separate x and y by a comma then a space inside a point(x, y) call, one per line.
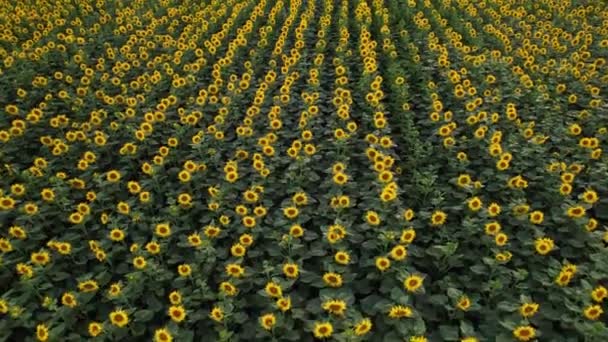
point(76, 218)
point(334, 306)
point(493, 209)
point(195, 240)
point(177, 313)
point(232, 176)
point(95, 329)
point(115, 290)
point(175, 297)
point(268, 321)
point(333, 237)
point(567, 177)
point(12, 109)
point(342, 257)
point(576, 211)
point(17, 232)
point(249, 221)
point(68, 299)
point(462, 156)
point(273, 290)
point(40, 258)
point(246, 240)
point(438, 218)
point(340, 178)
point(407, 236)
point(123, 208)
point(30, 208)
point(113, 176)
point(524, 333)
point(42, 332)
point(153, 247)
point(591, 224)
point(24, 270)
point(334, 202)
point(144, 197)
point(139, 262)
point(463, 180)
point(537, 217)
point(363, 327)
point(225, 220)
point(464, 303)
point(503, 256)
point(383, 263)
point(372, 218)
point(291, 270)
point(212, 231)
point(501, 239)
point(300, 198)
point(117, 235)
point(565, 189)
point(400, 311)
point(284, 303)
point(88, 286)
point(332, 279)
point(474, 204)
point(543, 245)
point(385, 176)
point(291, 212)
point(413, 283)
point(184, 176)
point(599, 294)
point(184, 200)
point(163, 230)
point(84, 208)
point(528, 309)
point(64, 248)
point(217, 314)
point(521, 209)
point(100, 255)
point(134, 187)
point(259, 211)
point(296, 231)
point(228, 289)
point(241, 210)
point(119, 318)
point(162, 335)
point(235, 270)
point(398, 253)
point(250, 196)
point(338, 168)
point(48, 195)
point(184, 270)
point(492, 228)
point(238, 250)
point(570, 268)
point(593, 312)
point(323, 329)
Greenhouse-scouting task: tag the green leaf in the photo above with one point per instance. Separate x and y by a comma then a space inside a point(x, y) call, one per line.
point(508, 306)
point(419, 326)
point(454, 293)
point(186, 335)
point(466, 328)
point(143, 315)
point(478, 269)
point(448, 332)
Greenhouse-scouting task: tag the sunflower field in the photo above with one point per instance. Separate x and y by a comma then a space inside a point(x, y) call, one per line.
point(300, 170)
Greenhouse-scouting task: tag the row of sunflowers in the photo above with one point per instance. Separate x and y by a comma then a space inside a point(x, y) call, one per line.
point(367, 170)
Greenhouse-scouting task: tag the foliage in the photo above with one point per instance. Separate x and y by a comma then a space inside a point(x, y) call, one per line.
point(380, 170)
